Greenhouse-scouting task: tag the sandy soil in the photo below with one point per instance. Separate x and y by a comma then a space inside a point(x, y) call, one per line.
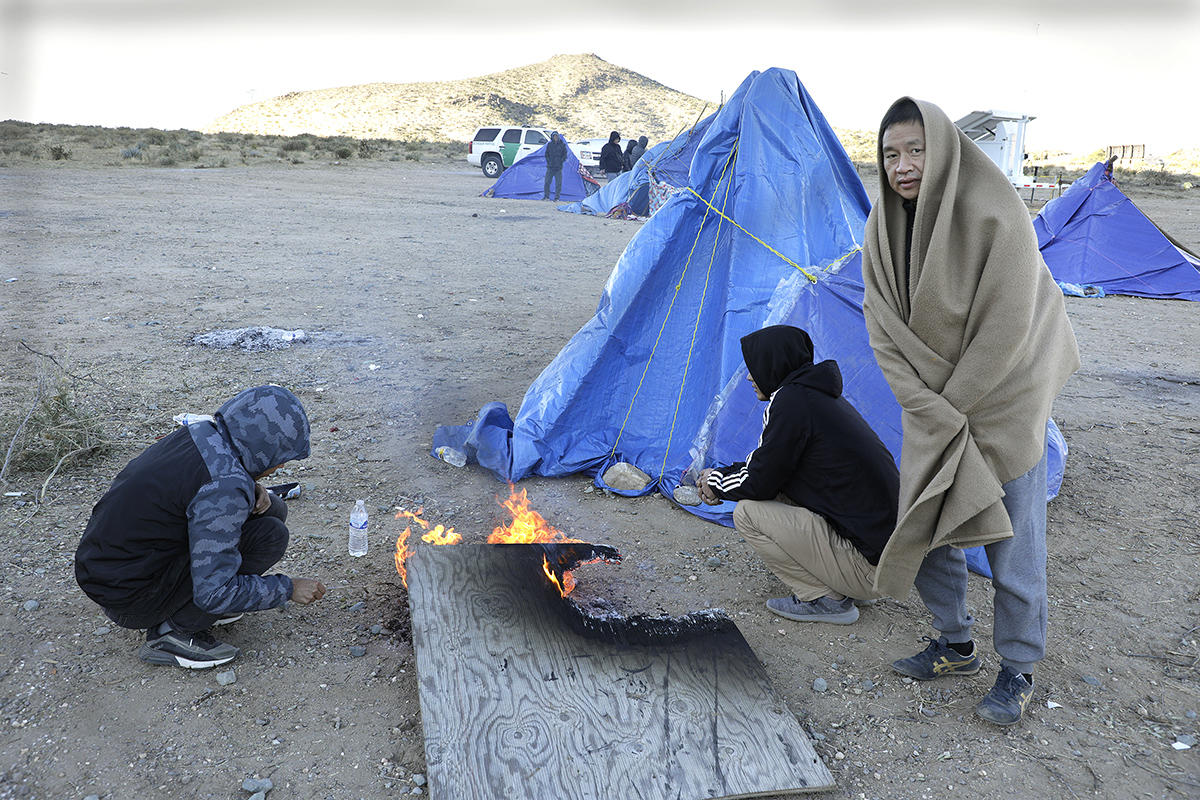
point(425, 301)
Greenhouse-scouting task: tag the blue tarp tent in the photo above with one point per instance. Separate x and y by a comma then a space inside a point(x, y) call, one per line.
point(1095, 236)
point(525, 180)
point(768, 233)
point(667, 161)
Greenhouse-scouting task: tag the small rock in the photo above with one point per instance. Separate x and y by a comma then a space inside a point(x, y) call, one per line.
point(331, 506)
point(1186, 738)
point(713, 561)
point(1090, 680)
point(686, 495)
point(258, 796)
point(417, 790)
point(819, 685)
point(225, 679)
point(625, 477)
point(103, 629)
point(357, 651)
point(257, 785)
point(929, 712)
point(418, 779)
point(1190, 714)
point(31, 605)
point(589, 489)
point(262, 721)
point(678, 579)
point(868, 684)
point(92, 797)
point(376, 629)
point(359, 606)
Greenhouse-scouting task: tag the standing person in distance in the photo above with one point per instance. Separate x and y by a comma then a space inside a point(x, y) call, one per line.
point(183, 538)
point(972, 334)
point(627, 156)
point(556, 156)
point(639, 150)
point(612, 160)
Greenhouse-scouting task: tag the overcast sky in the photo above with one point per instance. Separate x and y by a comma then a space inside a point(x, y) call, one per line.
point(1093, 72)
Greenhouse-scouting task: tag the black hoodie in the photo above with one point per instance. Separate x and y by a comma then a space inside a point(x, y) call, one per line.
point(815, 447)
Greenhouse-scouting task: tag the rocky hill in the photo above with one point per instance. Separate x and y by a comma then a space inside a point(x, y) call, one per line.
point(579, 95)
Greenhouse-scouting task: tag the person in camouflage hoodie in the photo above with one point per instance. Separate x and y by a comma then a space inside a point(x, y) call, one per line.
point(181, 540)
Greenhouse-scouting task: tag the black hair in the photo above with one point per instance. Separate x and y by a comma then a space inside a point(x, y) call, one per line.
point(614, 137)
point(903, 110)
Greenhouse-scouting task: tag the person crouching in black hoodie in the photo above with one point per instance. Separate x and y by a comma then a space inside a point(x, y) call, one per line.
point(817, 498)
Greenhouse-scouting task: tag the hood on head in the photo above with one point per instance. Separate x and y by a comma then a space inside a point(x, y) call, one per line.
point(643, 140)
point(267, 426)
point(773, 353)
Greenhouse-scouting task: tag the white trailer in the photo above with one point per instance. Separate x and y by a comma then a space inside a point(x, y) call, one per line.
point(1001, 135)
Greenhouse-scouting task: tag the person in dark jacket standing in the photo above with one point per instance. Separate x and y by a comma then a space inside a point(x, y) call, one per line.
point(627, 156)
point(817, 496)
point(556, 156)
point(639, 150)
point(181, 540)
point(612, 160)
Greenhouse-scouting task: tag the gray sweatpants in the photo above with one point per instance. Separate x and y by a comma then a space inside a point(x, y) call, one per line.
point(1018, 577)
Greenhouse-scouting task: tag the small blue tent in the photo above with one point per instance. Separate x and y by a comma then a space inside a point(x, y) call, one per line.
point(1093, 235)
point(525, 180)
point(767, 232)
point(667, 162)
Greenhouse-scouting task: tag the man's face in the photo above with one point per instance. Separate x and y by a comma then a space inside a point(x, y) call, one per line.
point(904, 158)
point(757, 391)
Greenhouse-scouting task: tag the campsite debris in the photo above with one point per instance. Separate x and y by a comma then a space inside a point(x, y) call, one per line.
point(686, 495)
point(626, 477)
point(1185, 739)
point(226, 678)
point(1052, 704)
point(254, 340)
point(257, 785)
point(191, 419)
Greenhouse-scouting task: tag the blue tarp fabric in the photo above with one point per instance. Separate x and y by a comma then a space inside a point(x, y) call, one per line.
point(1094, 236)
point(525, 180)
point(668, 161)
point(768, 233)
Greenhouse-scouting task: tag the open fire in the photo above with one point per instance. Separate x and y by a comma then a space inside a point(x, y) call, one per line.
point(526, 527)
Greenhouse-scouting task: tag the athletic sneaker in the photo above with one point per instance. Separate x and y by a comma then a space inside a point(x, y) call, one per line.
point(1007, 700)
point(188, 650)
point(823, 609)
point(938, 659)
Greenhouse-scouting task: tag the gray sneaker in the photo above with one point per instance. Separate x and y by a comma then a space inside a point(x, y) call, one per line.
point(188, 650)
point(823, 609)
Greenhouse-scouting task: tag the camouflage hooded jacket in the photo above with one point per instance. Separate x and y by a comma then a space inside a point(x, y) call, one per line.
point(186, 498)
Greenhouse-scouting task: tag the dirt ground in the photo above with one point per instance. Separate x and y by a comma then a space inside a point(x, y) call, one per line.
point(423, 301)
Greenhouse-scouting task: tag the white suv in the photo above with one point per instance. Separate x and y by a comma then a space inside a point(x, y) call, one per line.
point(588, 152)
point(497, 147)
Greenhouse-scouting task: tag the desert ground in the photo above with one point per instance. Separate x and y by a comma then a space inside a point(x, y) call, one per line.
point(423, 301)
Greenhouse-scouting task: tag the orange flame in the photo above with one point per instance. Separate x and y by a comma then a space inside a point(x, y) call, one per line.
point(527, 526)
point(439, 535)
point(568, 582)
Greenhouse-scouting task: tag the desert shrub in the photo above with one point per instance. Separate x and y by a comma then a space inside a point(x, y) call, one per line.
point(58, 152)
point(412, 156)
point(292, 145)
point(167, 160)
point(57, 429)
point(343, 152)
point(135, 152)
point(368, 148)
point(156, 137)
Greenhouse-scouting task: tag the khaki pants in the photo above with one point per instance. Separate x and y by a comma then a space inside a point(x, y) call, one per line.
point(804, 551)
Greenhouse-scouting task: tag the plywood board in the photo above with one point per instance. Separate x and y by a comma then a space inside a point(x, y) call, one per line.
point(524, 696)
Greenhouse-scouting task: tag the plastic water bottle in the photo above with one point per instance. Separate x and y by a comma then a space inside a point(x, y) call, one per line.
point(191, 419)
point(452, 456)
point(358, 529)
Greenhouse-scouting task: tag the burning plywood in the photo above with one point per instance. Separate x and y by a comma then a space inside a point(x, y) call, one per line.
point(524, 695)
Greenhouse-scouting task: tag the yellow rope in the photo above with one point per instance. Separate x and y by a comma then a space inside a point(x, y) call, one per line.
point(671, 306)
point(812, 278)
point(696, 327)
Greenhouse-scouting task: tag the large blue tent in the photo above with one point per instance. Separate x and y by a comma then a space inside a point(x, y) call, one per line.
point(1093, 235)
point(767, 231)
point(525, 180)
